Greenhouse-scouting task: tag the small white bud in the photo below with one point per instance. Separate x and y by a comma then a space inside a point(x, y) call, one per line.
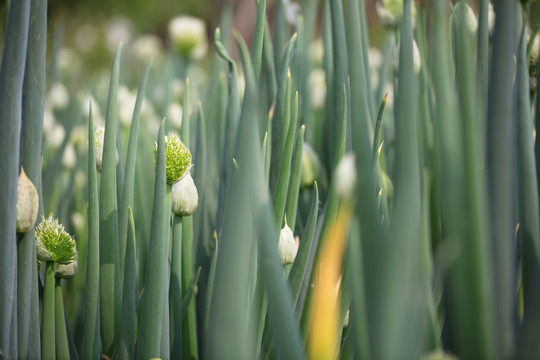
point(287, 246)
point(27, 203)
point(185, 198)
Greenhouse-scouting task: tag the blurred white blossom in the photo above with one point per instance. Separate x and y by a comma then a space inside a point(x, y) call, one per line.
point(188, 35)
point(57, 97)
point(317, 86)
point(85, 38)
point(116, 31)
point(146, 47)
point(174, 115)
point(126, 104)
point(345, 176)
point(69, 157)
point(391, 12)
point(417, 60)
point(316, 52)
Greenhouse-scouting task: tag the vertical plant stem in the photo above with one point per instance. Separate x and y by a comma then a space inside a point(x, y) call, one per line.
point(11, 85)
point(62, 347)
point(30, 159)
point(110, 296)
point(151, 315)
point(48, 332)
point(127, 192)
point(92, 324)
point(189, 323)
point(501, 173)
point(129, 296)
point(175, 290)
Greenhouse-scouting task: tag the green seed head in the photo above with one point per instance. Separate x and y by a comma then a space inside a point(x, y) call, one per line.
point(53, 243)
point(178, 158)
point(391, 12)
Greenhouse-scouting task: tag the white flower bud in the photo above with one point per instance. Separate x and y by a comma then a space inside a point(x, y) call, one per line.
point(391, 12)
point(126, 104)
point(417, 60)
point(27, 203)
point(345, 176)
point(185, 198)
point(470, 17)
point(69, 157)
point(287, 246)
point(188, 34)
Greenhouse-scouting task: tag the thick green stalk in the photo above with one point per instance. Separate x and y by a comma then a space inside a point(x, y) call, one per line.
point(291, 206)
point(280, 123)
point(360, 85)
point(30, 159)
point(62, 347)
point(528, 209)
point(482, 56)
point(109, 270)
point(91, 327)
point(130, 296)
point(175, 290)
point(280, 31)
point(299, 268)
point(11, 87)
point(467, 294)
point(402, 278)
point(229, 334)
point(258, 38)
point(501, 173)
point(340, 80)
point(127, 193)
point(189, 323)
point(231, 121)
point(48, 332)
point(151, 313)
point(282, 186)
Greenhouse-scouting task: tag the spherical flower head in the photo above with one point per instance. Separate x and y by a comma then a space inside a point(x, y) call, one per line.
point(533, 63)
point(311, 166)
point(53, 243)
point(391, 12)
point(178, 158)
point(188, 35)
point(27, 203)
point(185, 197)
point(287, 246)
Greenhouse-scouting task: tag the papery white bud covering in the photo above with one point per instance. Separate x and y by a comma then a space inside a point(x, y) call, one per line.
point(287, 246)
point(27, 203)
point(345, 176)
point(470, 17)
point(185, 197)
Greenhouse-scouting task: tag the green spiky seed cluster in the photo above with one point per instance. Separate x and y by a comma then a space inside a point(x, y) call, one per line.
point(178, 158)
point(56, 240)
